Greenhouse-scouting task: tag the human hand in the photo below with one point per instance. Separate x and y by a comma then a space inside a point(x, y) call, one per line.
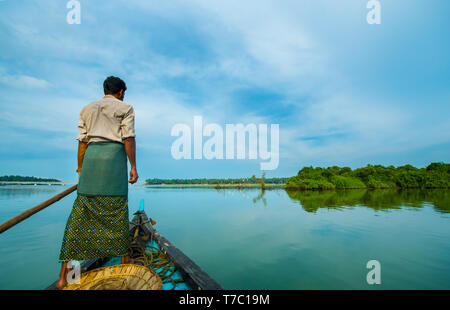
point(133, 175)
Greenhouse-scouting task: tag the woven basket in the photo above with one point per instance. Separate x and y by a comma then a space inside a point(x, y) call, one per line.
point(118, 277)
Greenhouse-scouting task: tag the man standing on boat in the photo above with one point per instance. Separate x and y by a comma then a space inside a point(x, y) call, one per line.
point(98, 224)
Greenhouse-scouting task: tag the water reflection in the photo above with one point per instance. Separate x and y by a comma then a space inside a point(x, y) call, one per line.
point(380, 199)
point(28, 191)
point(261, 197)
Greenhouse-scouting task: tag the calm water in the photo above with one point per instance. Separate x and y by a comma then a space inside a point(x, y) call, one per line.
point(252, 240)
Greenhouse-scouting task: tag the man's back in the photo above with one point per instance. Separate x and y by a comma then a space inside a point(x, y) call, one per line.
point(108, 119)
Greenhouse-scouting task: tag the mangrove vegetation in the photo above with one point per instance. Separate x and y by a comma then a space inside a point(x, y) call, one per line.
point(252, 180)
point(435, 175)
point(18, 178)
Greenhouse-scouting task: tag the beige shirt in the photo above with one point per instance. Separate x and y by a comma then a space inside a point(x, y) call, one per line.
point(108, 119)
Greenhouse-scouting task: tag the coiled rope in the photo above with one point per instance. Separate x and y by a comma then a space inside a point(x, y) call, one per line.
point(155, 259)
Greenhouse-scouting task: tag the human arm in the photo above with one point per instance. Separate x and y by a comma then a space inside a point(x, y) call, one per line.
point(82, 146)
point(128, 138)
point(82, 141)
point(130, 149)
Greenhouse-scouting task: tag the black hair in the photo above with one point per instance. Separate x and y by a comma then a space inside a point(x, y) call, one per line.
point(112, 85)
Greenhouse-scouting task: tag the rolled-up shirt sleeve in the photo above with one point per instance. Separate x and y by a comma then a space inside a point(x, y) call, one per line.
point(82, 130)
point(127, 125)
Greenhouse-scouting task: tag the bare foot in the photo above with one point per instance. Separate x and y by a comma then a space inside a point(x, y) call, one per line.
point(62, 276)
point(61, 283)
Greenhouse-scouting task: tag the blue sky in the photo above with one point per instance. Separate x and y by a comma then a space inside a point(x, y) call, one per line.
point(343, 92)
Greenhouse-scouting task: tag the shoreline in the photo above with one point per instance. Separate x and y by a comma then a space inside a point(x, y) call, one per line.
point(219, 186)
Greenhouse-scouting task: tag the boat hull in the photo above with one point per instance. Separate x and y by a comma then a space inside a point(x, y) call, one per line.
point(194, 277)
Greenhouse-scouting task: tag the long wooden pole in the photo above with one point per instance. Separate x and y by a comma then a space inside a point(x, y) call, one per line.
point(26, 214)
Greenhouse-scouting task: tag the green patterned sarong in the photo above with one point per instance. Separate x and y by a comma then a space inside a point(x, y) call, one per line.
point(98, 224)
point(104, 170)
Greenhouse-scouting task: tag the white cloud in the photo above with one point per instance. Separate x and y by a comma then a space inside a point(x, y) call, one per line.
point(23, 81)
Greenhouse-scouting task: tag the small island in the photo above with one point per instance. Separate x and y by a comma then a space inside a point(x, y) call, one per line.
point(435, 175)
point(18, 178)
point(221, 183)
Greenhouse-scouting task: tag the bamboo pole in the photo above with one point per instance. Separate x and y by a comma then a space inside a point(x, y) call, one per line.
point(26, 214)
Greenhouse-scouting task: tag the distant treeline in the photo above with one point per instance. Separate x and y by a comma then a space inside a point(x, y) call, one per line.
point(436, 175)
point(18, 178)
point(252, 180)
